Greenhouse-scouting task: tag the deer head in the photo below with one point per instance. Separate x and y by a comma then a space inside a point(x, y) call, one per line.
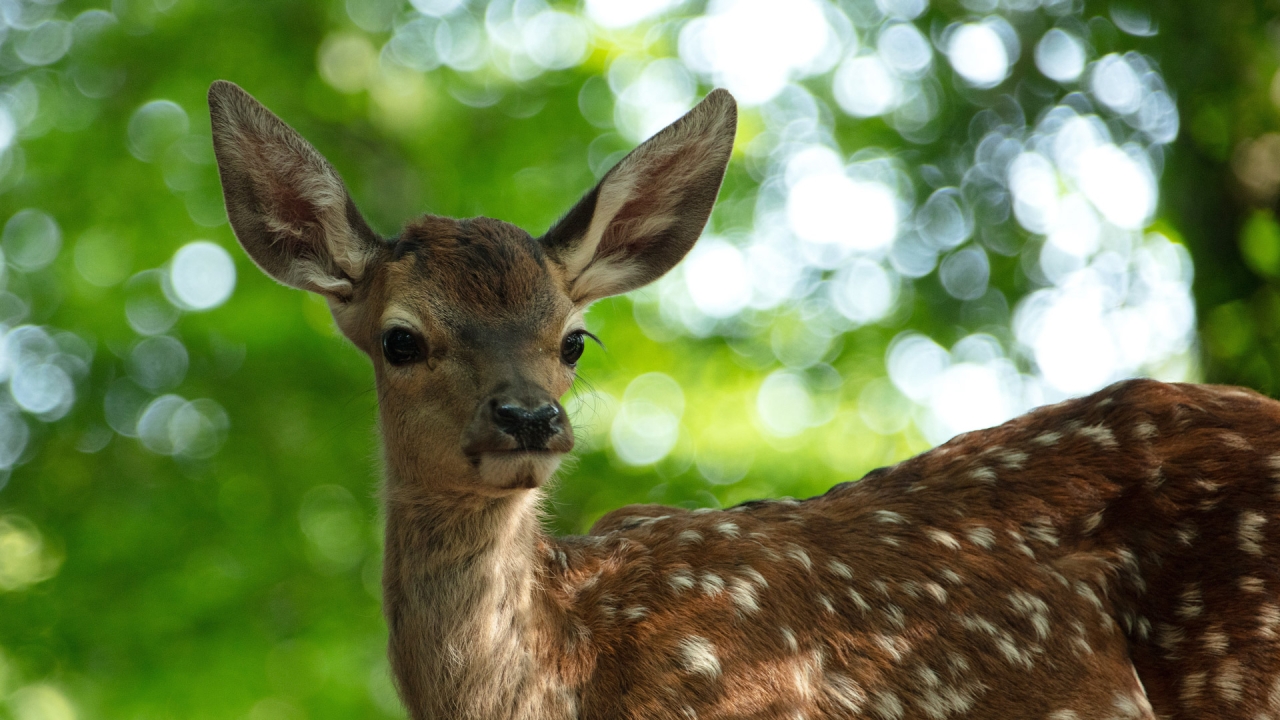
point(474, 327)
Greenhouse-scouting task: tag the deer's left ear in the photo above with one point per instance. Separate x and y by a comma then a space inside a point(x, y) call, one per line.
point(647, 211)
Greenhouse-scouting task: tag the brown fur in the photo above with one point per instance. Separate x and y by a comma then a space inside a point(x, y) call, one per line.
point(1108, 557)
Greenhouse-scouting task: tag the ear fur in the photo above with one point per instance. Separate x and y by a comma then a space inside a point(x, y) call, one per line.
point(647, 212)
point(287, 205)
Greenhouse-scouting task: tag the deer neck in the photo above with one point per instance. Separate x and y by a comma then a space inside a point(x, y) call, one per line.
point(464, 605)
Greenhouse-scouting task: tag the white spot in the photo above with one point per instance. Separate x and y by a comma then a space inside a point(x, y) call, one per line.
point(1042, 529)
point(1013, 459)
point(936, 591)
point(1187, 534)
point(1131, 706)
point(1020, 543)
point(840, 569)
point(928, 677)
point(1100, 434)
point(1034, 608)
point(699, 656)
point(728, 529)
point(1047, 439)
point(743, 594)
point(1092, 522)
point(790, 639)
point(1215, 641)
point(608, 605)
point(825, 602)
point(1268, 620)
point(689, 537)
point(1144, 430)
point(680, 580)
point(1002, 639)
point(712, 584)
point(896, 646)
point(1251, 536)
point(983, 474)
point(951, 576)
point(858, 600)
point(942, 537)
point(846, 692)
point(1192, 686)
point(1169, 637)
point(1236, 441)
point(754, 576)
point(1208, 485)
point(1087, 593)
point(1191, 604)
point(886, 705)
point(1251, 584)
point(799, 555)
point(635, 612)
point(1081, 641)
point(894, 615)
point(1229, 681)
point(889, 516)
point(981, 536)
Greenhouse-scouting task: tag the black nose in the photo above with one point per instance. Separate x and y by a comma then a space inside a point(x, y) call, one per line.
point(530, 428)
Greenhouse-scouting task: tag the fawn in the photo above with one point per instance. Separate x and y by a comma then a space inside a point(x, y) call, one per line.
point(1107, 557)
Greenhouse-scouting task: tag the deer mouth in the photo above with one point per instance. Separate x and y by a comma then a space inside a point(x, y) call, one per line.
point(516, 469)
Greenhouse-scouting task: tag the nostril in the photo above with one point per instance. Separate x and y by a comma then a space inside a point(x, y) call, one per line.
point(510, 417)
point(548, 413)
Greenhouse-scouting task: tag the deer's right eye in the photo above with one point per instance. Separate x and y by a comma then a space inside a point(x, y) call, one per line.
point(400, 347)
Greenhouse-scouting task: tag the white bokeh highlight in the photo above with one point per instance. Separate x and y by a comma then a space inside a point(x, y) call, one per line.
point(978, 54)
point(202, 275)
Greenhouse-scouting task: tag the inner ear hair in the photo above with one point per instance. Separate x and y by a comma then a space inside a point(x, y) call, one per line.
point(289, 208)
point(646, 213)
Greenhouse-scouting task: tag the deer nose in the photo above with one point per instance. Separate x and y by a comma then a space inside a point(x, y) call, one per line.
point(530, 428)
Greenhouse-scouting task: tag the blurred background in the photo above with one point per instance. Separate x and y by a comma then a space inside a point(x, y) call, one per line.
point(938, 215)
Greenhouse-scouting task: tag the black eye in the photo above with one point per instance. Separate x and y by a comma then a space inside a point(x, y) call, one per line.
point(572, 346)
point(400, 347)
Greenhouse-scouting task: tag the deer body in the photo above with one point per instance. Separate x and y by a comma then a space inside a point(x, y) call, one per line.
point(1099, 557)
point(1107, 557)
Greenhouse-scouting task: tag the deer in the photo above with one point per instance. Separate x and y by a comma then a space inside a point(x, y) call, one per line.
point(1110, 556)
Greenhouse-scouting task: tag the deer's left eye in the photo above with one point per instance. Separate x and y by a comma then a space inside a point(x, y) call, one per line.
point(572, 346)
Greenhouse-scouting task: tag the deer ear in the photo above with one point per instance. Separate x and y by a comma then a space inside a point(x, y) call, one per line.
point(286, 203)
point(647, 211)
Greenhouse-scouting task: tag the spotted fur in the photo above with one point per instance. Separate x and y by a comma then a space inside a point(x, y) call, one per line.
point(1113, 556)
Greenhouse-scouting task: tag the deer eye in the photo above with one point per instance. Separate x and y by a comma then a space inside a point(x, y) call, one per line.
point(400, 347)
point(572, 346)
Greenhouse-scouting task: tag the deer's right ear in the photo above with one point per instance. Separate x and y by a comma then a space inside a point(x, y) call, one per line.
point(286, 203)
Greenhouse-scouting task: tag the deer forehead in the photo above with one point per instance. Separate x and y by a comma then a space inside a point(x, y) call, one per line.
point(479, 281)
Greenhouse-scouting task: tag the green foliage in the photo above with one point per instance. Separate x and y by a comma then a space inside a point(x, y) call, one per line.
point(243, 583)
point(1260, 243)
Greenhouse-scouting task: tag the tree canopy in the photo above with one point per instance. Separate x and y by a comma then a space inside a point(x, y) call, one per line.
point(938, 215)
